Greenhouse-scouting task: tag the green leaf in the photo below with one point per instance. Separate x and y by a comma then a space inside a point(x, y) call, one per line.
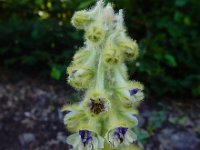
point(197, 130)
point(143, 135)
point(35, 34)
point(170, 60)
point(55, 73)
point(173, 119)
point(10, 61)
point(187, 20)
point(39, 2)
point(175, 31)
point(183, 120)
point(28, 60)
point(178, 16)
point(180, 3)
point(155, 120)
point(196, 91)
point(85, 4)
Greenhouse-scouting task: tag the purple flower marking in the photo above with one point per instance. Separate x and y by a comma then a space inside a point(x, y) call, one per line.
point(120, 133)
point(133, 91)
point(117, 132)
point(85, 136)
point(124, 130)
point(92, 101)
point(74, 71)
point(102, 104)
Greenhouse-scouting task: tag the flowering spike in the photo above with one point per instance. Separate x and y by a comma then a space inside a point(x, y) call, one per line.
point(110, 102)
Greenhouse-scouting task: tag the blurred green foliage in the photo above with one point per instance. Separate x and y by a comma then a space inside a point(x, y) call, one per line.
point(36, 36)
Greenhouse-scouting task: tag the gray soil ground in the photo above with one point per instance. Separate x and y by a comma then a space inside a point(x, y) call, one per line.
point(30, 118)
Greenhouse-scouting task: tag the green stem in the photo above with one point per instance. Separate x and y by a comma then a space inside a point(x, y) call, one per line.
point(107, 147)
point(118, 77)
point(100, 76)
point(91, 60)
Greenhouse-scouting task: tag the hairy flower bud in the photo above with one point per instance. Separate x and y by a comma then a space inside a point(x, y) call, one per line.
point(95, 33)
point(80, 77)
point(108, 15)
point(72, 119)
point(128, 91)
point(122, 117)
point(132, 92)
point(120, 135)
point(129, 47)
point(136, 91)
point(81, 19)
point(111, 55)
point(81, 56)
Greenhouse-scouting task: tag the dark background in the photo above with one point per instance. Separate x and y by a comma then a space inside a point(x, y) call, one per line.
point(36, 36)
point(37, 42)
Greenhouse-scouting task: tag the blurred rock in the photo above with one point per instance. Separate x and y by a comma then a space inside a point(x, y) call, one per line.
point(61, 137)
point(31, 119)
point(170, 139)
point(26, 138)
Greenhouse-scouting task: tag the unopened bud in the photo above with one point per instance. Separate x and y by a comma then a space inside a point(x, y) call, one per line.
point(112, 55)
point(81, 19)
point(95, 33)
point(80, 77)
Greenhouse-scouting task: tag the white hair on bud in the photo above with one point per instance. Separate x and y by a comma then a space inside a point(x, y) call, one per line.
point(120, 20)
point(108, 14)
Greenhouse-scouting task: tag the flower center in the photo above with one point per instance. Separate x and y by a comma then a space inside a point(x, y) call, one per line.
point(97, 107)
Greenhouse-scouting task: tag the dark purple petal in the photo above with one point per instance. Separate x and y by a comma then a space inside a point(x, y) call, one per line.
point(85, 136)
point(133, 91)
point(124, 130)
point(74, 71)
point(88, 133)
point(82, 134)
point(102, 104)
point(88, 140)
point(120, 133)
point(117, 133)
point(91, 104)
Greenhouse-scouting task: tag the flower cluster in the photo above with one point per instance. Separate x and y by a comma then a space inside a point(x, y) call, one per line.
point(106, 116)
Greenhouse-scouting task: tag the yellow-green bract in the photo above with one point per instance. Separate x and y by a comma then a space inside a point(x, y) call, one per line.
point(105, 118)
